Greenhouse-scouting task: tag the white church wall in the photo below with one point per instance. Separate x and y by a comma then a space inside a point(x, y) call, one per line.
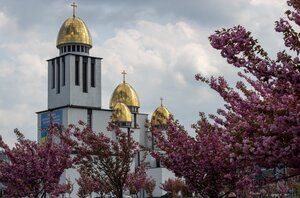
point(141, 121)
point(135, 134)
point(156, 174)
point(75, 115)
point(152, 161)
point(72, 175)
point(160, 175)
point(100, 120)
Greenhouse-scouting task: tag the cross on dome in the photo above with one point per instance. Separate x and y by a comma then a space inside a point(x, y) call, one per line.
point(161, 101)
point(74, 5)
point(124, 73)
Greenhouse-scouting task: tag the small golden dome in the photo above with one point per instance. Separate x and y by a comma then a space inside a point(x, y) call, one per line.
point(74, 31)
point(121, 113)
point(126, 94)
point(160, 116)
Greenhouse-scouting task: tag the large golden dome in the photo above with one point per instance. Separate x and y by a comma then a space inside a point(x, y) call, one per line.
point(160, 116)
point(121, 113)
point(126, 94)
point(74, 31)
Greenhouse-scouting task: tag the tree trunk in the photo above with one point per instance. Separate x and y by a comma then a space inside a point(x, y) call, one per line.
point(119, 193)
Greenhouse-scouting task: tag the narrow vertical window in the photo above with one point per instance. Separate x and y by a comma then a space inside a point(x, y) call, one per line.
point(135, 124)
point(93, 84)
point(78, 48)
point(84, 75)
point(157, 163)
point(58, 76)
point(76, 70)
point(89, 117)
point(63, 71)
point(139, 158)
point(53, 73)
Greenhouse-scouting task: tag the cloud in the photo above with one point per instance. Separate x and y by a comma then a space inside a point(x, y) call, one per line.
point(23, 77)
point(3, 19)
point(17, 116)
point(23, 89)
point(274, 3)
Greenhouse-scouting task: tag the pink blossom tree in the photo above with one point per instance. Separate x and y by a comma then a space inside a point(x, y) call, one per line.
point(263, 115)
point(175, 187)
point(105, 159)
point(34, 169)
point(138, 180)
point(203, 161)
point(149, 187)
point(259, 126)
point(88, 184)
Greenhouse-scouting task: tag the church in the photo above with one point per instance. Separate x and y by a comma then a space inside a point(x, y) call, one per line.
point(74, 94)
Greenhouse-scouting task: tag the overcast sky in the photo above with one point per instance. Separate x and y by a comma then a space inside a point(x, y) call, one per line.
point(161, 44)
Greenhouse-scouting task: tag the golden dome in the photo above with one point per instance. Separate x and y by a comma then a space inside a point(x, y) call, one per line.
point(160, 116)
point(126, 94)
point(74, 30)
point(121, 113)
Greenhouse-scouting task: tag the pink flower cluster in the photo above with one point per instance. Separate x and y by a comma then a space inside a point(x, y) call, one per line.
point(33, 169)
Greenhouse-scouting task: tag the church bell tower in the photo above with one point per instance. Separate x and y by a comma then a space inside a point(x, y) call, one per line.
point(74, 77)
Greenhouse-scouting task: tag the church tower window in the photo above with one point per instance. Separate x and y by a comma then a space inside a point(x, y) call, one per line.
point(63, 71)
point(84, 75)
point(53, 74)
point(89, 117)
point(77, 70)
point(58, 76)
point(93, 84)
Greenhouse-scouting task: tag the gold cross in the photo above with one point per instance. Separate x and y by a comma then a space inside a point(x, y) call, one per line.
point(74, 7)
point(124, 73)
point(161, 100)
